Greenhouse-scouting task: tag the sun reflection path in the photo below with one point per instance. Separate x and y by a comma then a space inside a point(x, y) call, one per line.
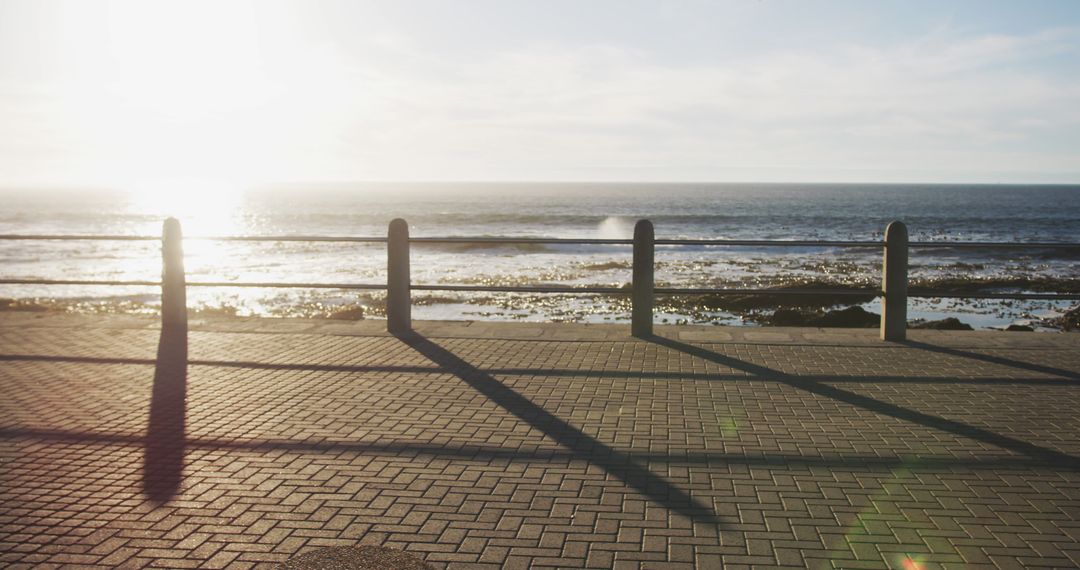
point(204, 207)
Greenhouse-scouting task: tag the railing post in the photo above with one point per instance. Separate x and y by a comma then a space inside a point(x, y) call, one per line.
point(398, 301)
point(894, 283)
point(641, 312)
point(173, 282)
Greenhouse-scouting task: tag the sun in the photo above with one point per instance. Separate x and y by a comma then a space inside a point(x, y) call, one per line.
point(182, 99)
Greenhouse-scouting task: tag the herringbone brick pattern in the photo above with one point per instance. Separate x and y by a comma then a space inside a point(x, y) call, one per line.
point(535, 453)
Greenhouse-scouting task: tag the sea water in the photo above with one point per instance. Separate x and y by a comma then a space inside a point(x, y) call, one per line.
point(842, 212)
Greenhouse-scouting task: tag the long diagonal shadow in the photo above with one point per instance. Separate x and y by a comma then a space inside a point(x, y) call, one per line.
point(1037, 452)
point(469, 452)
point(551, 372)
point(163, 462)
point(165, 440)
point(623, 466)
point(995, 359)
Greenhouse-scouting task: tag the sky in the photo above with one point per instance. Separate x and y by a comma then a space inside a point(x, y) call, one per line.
point(122, 93)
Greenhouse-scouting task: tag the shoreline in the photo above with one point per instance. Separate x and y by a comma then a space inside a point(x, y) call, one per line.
point(749, 310)
point(851, 316)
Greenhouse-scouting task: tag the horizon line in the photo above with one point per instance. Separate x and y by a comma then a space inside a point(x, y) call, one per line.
point(286, 183)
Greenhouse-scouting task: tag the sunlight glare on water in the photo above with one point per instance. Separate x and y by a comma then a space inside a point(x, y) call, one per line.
point(204, 208)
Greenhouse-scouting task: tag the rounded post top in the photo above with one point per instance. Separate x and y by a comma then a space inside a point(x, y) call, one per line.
point(398, 226)
point(896, 232)
point(171, 229)
point(643, 229)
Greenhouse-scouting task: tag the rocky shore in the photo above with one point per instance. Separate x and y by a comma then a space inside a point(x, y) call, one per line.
point(842, 303)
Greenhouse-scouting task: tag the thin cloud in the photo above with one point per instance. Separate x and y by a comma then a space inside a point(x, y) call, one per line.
point(291, 104)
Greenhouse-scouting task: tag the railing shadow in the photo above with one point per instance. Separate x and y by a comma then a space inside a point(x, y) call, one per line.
point(1015, 445)
point(622, 466)
point(471, 452)
point(163, 461)
point(165, 441)
point(1026, 366)
point(565, 373)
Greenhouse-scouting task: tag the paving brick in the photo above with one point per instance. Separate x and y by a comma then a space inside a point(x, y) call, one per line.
point(563, 447)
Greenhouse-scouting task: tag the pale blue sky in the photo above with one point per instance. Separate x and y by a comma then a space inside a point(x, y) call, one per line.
point(120, 93)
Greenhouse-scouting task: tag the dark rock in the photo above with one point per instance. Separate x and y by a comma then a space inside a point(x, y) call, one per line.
point(350, 314)
point(949, 324)
point(777, 299)
point(979, 285)
point(1019, 328)
point(789, 318)
point(354, 558)
point(1070, 321)
point(851, 317)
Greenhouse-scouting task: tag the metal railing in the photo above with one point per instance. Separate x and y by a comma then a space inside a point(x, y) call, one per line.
point(894, 291)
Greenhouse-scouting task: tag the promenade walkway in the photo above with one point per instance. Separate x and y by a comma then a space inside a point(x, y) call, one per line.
point(248, 441)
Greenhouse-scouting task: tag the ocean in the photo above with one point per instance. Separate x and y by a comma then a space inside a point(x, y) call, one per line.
point(999, 213)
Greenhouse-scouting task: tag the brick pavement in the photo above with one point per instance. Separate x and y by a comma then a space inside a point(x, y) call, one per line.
point(523, 445)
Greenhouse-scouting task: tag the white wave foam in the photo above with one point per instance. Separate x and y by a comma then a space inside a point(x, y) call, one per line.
point(615, 227)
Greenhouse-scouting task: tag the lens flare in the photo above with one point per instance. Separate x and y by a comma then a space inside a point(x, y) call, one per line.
point(907, 562)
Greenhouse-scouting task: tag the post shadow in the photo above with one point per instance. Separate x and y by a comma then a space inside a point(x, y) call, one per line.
point(623, 466)
point(817, 387)
point(163, 461)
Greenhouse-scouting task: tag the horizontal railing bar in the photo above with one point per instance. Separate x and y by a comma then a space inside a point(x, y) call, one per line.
point(556, 289)
point(193, 283)
point(201, 238)
point(291, 238)
point(994, 244)
point(521, 240)
point(544, 240)
point(77, 237)
point(275, 285)
point(769, 243)
point(1003, 296)
point(793, 291)
point(523, 289)
point(77, 282)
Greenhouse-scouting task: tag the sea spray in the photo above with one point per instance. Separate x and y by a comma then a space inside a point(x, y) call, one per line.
point(615, 227)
